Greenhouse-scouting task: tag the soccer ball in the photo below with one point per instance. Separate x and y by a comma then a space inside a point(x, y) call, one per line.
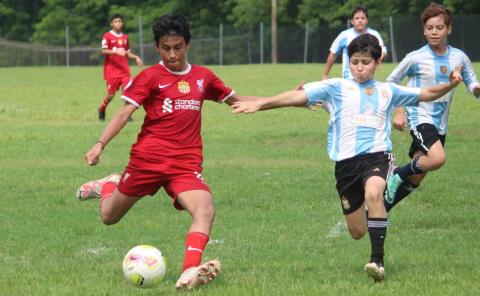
point(144, 266)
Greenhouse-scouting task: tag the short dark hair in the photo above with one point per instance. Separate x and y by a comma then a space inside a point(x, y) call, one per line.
point(172, 24)
point(435, 9)
point(365, 43)
point(360, 8)
point(115, 16)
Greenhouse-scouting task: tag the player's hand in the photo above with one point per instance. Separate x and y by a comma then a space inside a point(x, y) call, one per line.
point(92, 157)
point(456, 76)
point(300, 85)
point(139, 61)
point(246, 107)
point(399, 121)
point(476, 90)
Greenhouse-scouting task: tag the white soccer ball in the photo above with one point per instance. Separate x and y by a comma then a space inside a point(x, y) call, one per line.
point(144, 266)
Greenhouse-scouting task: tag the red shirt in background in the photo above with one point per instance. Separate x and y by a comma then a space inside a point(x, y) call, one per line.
point(115, 66)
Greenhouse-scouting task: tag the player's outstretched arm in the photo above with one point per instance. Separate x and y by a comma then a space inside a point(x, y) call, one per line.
point(329, 64)
point(92, 157)
point(292, 98)
point(136, 58)
point(434, 92)
point(238, 98)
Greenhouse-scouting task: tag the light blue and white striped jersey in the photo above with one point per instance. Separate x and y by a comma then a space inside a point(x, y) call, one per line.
point(359, 113)
point(340, 44)
point(424, 68)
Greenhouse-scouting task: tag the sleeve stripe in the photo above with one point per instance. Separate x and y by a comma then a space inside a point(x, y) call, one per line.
point(128, 100)
point(228, 96)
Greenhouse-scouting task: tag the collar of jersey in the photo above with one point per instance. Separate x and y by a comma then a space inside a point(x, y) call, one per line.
point(116, 34)
point(366, 83)
point(189, 67)
point(437, 55)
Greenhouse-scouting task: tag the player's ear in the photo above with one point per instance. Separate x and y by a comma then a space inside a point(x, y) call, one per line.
point(449, 29)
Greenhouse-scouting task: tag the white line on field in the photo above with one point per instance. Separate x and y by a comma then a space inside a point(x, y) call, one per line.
point(337, 230)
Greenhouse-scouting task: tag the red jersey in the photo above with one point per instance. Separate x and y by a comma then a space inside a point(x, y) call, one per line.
point(173, 102)
point(115, 66)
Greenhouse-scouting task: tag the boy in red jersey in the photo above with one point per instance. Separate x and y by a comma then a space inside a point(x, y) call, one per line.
point(168, 151)
point(116, 71)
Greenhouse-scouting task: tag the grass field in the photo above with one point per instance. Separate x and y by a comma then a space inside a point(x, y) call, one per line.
point(279, 225)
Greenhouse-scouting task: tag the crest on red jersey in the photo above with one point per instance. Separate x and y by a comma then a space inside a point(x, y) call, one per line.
point(183, 87)
point(120, 42)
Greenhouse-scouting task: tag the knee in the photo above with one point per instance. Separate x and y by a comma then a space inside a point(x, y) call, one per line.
point(374, 196)
point(109, 219)
point(206, 212)
point(357, 232)
point(439, 161)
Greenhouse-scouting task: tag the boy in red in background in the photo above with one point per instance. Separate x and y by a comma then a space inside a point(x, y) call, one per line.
point(168, 151)
point(116, 71)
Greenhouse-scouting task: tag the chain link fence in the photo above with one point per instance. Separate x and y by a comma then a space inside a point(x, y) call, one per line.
point(226, 45)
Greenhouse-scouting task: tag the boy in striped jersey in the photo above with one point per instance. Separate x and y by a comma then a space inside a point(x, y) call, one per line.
point(428, 121)
point(339, 46)
point(358, 136)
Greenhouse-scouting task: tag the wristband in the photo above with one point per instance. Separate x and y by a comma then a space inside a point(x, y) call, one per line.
point(102, 143)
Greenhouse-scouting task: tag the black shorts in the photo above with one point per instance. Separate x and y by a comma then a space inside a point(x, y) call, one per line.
point(424, 136)
point(352, 174)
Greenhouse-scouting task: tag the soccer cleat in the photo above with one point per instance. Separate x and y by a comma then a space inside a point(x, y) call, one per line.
point(93, 189)
point(392, 186)
point(375, 270)
point(199, 275)
point(101, 115)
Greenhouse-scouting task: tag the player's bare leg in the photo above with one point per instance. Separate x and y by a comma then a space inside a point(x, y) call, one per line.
point(199, 204)
point(377, 226)
point(115, 206)
point(357, 223)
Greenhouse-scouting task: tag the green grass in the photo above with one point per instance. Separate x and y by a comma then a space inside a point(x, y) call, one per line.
point(274, 191)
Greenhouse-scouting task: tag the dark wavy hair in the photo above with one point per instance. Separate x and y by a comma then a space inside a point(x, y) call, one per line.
point(367, 44)
point(172, 24)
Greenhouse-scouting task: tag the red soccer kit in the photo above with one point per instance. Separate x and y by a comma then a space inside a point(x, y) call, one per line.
point(115, 68)
point(168, 151)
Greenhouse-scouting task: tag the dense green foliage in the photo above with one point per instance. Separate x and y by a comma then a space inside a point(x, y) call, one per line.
point(278, 229)
point(45, 21)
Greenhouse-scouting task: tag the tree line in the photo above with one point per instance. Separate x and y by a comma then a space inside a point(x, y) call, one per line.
point(44, 21)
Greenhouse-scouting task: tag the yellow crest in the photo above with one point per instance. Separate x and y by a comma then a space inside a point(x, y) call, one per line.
point(443, 69)
point(369, 91)
point(345, 203)
point(120, 42)
point(183, 87)
point(385, 93)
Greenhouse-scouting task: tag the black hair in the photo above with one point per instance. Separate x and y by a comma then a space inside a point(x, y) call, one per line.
point(365, 43)
point(115, 16)
point(360, 8)
point(172, 24)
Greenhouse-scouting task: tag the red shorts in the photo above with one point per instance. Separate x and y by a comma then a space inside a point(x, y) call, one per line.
point(142, 178)
point(113, 84)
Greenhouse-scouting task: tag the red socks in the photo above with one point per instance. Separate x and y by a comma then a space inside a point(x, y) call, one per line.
point(107, 191)
point(104, 104)
point(194, 245)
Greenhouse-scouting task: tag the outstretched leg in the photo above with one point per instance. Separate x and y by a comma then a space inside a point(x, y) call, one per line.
point(199, 204)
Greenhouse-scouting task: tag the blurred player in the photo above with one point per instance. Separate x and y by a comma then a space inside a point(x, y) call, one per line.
point(168, 151)
point(339, 46)
point(428, 121)
point(116, 72)
point(358, 136)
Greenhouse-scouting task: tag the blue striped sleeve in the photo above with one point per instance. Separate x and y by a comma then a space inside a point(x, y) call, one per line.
point(405, 96)
point(320, 92)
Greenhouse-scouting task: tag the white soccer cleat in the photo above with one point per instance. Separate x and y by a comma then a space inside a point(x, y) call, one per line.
point(199, 275)
point(375, 270)
point(93, 189)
